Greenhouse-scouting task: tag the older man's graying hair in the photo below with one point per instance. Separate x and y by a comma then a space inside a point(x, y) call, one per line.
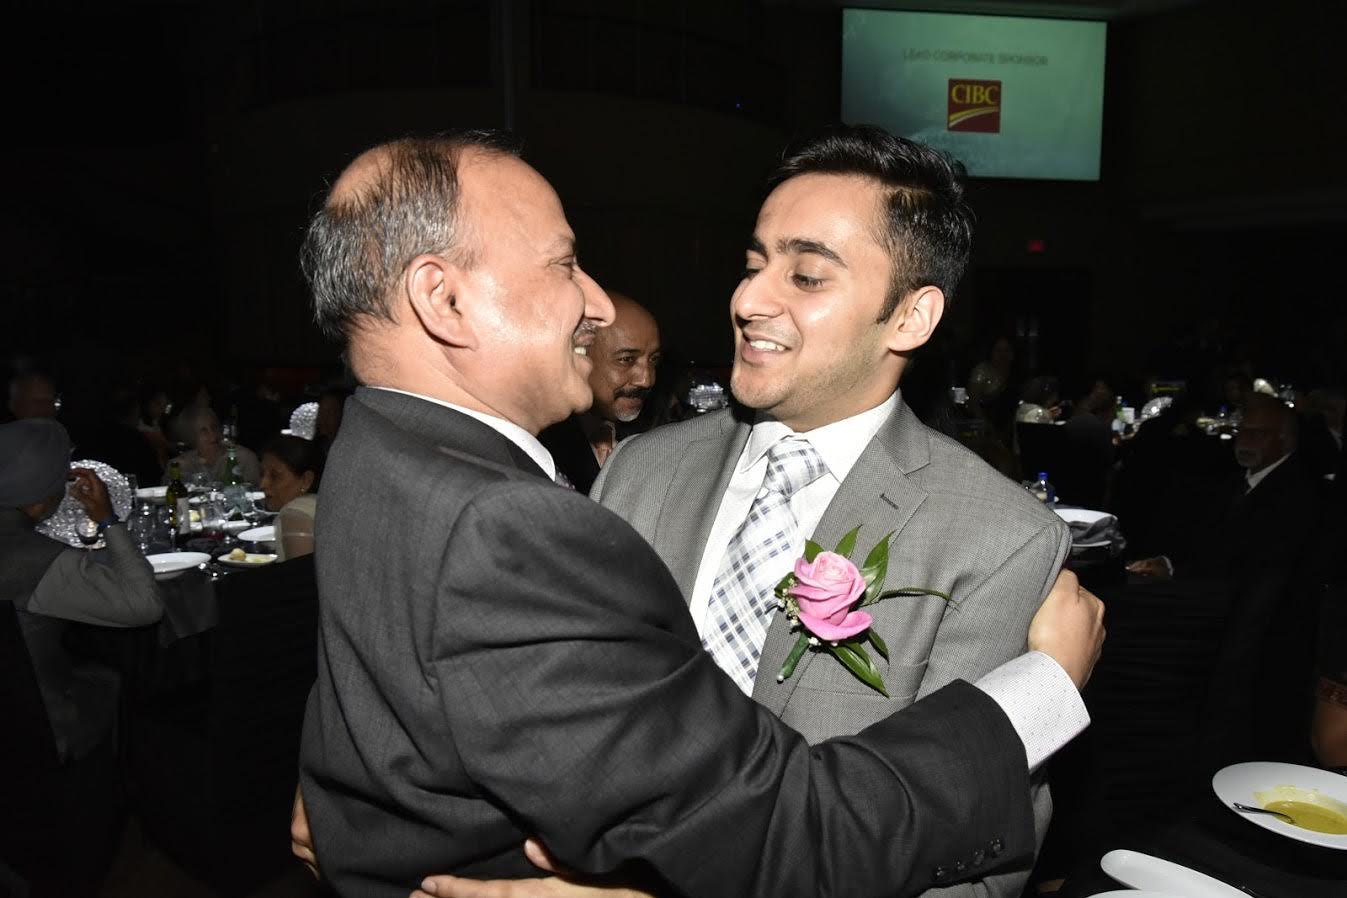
point(362, 239)
point(191, 419)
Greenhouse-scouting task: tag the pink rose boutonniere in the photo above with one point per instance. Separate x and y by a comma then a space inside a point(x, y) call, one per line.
point(823, 597)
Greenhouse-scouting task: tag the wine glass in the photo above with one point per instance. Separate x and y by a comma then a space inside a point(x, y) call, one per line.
point(141, 526)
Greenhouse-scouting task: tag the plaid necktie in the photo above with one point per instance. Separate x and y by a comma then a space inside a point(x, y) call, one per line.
point(756, 559)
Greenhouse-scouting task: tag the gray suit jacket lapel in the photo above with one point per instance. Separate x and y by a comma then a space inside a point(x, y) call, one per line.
point(685, 520)
point(879, 496)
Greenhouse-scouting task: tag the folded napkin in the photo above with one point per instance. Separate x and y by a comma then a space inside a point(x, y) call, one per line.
point(1094, 531)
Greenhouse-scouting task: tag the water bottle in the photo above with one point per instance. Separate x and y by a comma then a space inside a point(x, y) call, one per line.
point(1042, 489)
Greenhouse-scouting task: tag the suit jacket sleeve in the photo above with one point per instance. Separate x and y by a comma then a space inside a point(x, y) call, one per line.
point(588, 710)
point(113, 587)
point(991, 625)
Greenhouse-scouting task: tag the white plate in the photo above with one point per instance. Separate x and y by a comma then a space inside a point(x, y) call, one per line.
point(1142, 871)
point(1089, 517)
point(151, 492)
point(235, 526)
point(1257, 782)
point(249, 560)
point(1135, 893)
point(265, 534)
point(1081, 515)
point(168, 565)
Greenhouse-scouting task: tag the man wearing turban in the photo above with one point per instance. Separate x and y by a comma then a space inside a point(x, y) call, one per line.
point(51, 584)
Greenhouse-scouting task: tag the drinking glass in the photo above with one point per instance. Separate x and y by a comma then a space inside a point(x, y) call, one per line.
point(87, 531)
point(141, 527)
point(163, 526)
point(213, 517)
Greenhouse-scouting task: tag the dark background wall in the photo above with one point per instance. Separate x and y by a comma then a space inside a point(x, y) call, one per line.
point(163, 158)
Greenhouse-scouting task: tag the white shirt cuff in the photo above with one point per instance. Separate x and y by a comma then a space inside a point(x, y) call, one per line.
point(1043, 705)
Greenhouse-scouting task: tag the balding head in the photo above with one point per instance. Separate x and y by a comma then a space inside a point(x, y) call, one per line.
point(1267, 431)
point(449, 267)
point(32, 395)
point(392, 204)
point(625, 356)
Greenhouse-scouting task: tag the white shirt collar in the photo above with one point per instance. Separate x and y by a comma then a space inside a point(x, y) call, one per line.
point(508, 429)
point(1253, 479)
point(839, 443)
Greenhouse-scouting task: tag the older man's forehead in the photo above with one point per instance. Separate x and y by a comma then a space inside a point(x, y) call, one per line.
point(512, 194)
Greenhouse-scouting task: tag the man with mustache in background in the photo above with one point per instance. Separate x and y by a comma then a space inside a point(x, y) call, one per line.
point(625, 356)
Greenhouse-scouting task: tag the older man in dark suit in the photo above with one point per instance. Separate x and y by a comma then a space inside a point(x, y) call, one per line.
point(500, 657)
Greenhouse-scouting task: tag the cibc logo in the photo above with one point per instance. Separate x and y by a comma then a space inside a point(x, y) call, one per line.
point(974, 106)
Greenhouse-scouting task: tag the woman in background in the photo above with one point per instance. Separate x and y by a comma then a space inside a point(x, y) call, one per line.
point(199, 428)
point(291, 469)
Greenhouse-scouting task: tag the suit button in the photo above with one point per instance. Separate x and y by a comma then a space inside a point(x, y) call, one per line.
point(979, 856)
point(959, 867)
point(995, 847)
point(941, 874)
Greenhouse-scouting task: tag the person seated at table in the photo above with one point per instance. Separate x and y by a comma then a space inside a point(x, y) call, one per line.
point(1038, 401)
point(1263, 555)
point(1271, 513)
point(116, 439)
point(291, 469)
point(51, 584)
point(32, 394)
point(199, 428)
point(153, 408)
point(1328, 732)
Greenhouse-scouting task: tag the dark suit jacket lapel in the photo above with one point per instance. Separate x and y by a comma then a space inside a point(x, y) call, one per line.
point(446, 427)
point(877, 495)
point(572, 453)
point(685, 519)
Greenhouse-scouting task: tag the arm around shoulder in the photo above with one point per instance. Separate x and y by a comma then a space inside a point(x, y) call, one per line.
point(569, 652)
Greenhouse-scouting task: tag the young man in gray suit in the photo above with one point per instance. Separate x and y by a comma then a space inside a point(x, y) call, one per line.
point(855, 256)
point(501, 657)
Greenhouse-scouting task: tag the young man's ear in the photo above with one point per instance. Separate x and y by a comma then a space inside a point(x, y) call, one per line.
point(915, 319)
point(436, 289)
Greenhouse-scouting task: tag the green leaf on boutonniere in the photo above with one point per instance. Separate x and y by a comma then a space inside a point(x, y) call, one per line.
point(857, 660)
point(875, 567)
point(784, 586)
point(811, 550)
point(877, 643)
point(796, 653)
point(847, 544)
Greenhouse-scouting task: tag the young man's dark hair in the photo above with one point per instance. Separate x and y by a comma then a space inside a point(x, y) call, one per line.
point(925, 224)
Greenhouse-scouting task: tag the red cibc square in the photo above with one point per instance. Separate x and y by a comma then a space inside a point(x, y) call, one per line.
point(974, 106)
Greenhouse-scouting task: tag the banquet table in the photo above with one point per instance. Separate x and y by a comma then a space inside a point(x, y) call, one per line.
point(1208, 837)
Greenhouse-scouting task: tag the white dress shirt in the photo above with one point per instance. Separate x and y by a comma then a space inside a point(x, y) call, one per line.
point(1043, 705)
point(839, 444)
point(1253, 478)
point(508, 429)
